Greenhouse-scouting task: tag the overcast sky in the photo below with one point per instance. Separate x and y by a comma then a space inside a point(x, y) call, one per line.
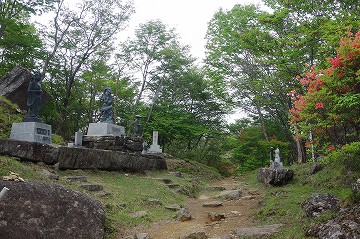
point(189, 17)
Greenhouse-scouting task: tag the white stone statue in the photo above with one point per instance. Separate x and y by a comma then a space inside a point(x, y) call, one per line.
point(277, 155)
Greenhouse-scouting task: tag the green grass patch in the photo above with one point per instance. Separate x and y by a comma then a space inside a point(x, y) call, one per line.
point(128, 193)
point(283, 204)
point(9, 114)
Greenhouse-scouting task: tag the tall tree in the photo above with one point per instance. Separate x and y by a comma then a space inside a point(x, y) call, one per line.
point(74, 38)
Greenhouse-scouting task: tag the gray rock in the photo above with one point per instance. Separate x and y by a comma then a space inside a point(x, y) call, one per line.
point(214, 188)
point(346, 225)
point(139, 214)
point(29, 151)
point(174, 207)
point(355, 187)
point(35, 210)
point(184, 215)
point(275, 177)
point(50, 175)
point(92, 187)
point(142, 236)
point(231, 195)
point(258, 231)
point(154, 202)
point(316, 167)
point(194, 235)
point(14, 86)
point(177, 174)
point(76, 178)
point(165, 180)
point(319, 203)
point(212, 204)
point(215, 216)
point(172, 185)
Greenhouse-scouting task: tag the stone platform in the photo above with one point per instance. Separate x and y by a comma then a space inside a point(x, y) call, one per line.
point(31, 132)
point(105, 129)
point(82, 158)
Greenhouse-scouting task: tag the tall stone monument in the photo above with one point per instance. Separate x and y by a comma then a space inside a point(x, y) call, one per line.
point(106, 125)
point(155, 147)
point(32, 129)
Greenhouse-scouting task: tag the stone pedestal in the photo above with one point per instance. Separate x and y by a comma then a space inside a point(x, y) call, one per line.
point(105, 129)
point(31, 132)
point(155, 148)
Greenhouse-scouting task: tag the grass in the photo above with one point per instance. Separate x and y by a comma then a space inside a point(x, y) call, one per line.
point(283, 204)
point(128, 193)
point(9, 114)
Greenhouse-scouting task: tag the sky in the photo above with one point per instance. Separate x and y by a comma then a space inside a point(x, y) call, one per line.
point(189, 18)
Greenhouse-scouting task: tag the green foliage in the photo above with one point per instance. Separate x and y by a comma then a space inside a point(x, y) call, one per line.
point(57, 139)
point(283, 204)
point(347, 158)
point(250, 150)
point(330, 105)
point(9, 114)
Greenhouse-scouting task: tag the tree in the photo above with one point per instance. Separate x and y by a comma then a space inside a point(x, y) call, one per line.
point(143, 54)
point(75, 38)
point(330, 106)
point(20, 43)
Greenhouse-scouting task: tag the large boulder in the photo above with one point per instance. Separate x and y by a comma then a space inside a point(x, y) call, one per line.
point(346, 225)
point(275, 176)
point(29, 151)
point(35, 210)
point(320, 203)
point(14, 86)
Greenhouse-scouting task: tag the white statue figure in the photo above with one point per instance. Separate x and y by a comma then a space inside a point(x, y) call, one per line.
point(277, 155)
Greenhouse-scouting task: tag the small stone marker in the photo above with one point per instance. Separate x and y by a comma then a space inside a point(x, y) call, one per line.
point(78, 138)
point(155, 147)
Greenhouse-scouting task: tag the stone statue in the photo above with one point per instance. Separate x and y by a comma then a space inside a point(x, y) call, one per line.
point(277, 155)
point(106, 111)
point(34, 99)
point(137, 126)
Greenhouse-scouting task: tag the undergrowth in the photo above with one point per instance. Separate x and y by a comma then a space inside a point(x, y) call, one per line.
point(127, 193)
point(283, 204)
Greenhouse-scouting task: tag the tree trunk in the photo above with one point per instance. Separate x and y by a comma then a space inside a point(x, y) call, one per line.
point(262, 123)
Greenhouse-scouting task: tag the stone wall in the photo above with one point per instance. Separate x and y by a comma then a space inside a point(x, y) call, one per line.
point(82, 158)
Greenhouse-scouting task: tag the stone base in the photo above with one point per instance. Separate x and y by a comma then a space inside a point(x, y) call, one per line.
point(31, 119)
point(275, 177)
point(154, 149)
point(31, 132)
point(105, 129)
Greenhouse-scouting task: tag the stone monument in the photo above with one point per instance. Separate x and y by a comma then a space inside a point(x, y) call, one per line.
point(155, 147)
point(106, 125)
point(277, 163)
point(32, 129)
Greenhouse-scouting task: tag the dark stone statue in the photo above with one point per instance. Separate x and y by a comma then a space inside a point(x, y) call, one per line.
point(106, 111)
point(34, 98)
point(137, 126)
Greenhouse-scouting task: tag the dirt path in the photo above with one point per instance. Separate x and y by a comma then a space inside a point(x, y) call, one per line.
point(237, 215)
